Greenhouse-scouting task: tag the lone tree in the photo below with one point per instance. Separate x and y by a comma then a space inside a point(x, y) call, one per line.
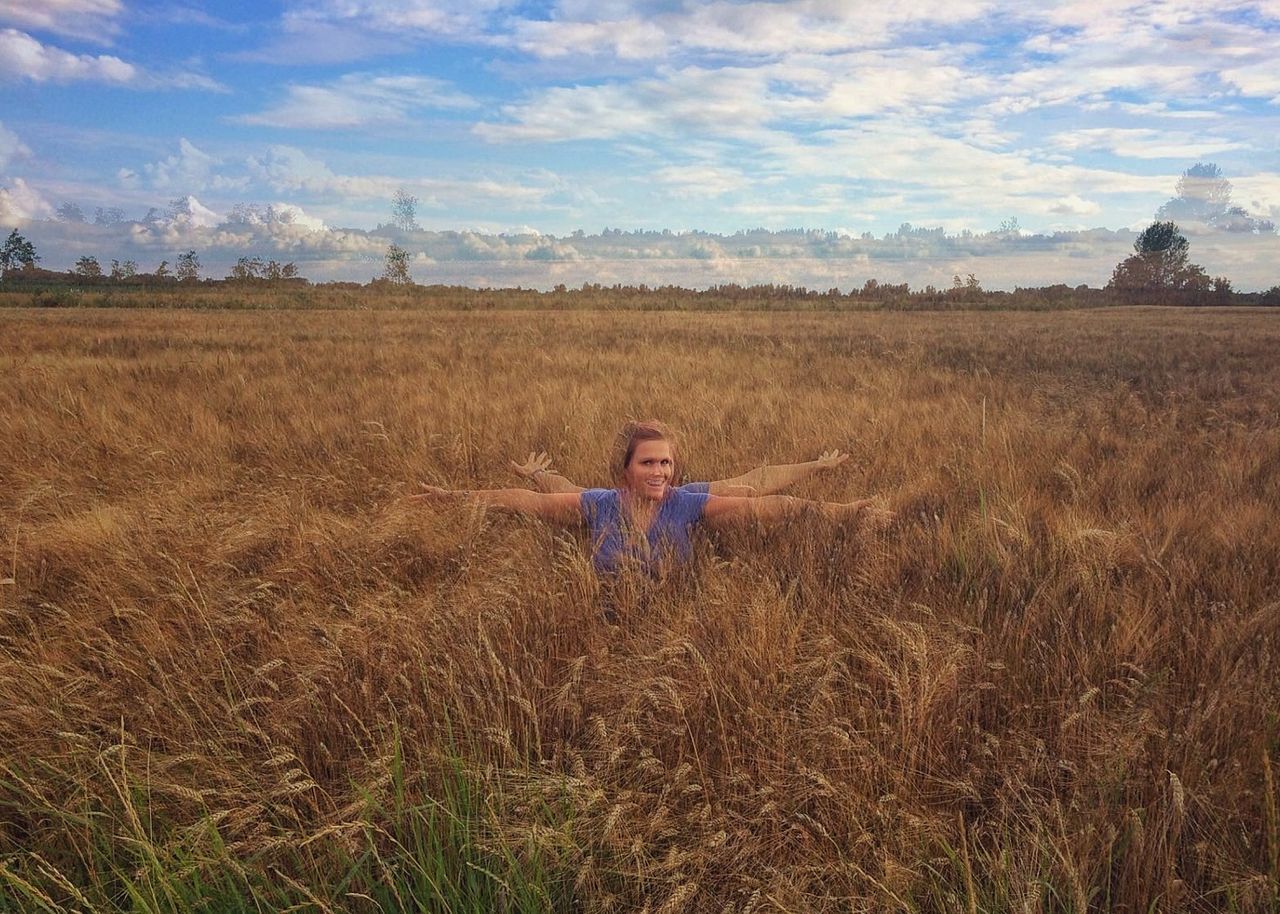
point(396, 267)
point(274, 271)
point(246, 268)
point(17, 253)
point(70, 212)
point(88, 267)
point(1159, 263)
point(110, 215)
point(188, 269)
point(404, 211)
point(1204, 196)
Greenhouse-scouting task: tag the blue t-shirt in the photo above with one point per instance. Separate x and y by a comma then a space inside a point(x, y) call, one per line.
point(668, 538)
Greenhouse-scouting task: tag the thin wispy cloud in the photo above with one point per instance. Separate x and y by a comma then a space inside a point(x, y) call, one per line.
point(359, 100)
point(87, 20)
point(1146, 143)
point(24, 58)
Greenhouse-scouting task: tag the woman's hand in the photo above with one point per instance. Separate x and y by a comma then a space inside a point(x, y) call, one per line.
point(534, 464)
point(829, 460)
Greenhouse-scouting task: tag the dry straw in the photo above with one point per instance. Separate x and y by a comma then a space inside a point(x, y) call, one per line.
point(234, 661)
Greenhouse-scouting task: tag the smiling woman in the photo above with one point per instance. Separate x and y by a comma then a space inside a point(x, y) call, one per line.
point(645, 522)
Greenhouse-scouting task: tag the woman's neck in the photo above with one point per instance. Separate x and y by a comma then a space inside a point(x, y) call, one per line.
point(640, 508)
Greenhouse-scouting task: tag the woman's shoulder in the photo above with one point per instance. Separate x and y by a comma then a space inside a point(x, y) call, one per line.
point(687, 500)
point(599, 499)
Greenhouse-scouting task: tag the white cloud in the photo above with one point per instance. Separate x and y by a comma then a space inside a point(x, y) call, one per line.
point(435, 17)
point(11, 147)
point(358, 100)
point(701, 180)
point(22, 57)
point(287, 169)
point(934, 173)
point(1144, 142)
point(1260, 80)
point(637, 31)
point(190, 169)
point(1074, 205)
point(738, 101)
point(276, 216)
point(575, 113)
point(20, 203)
point(89, 20)
point(191, 212)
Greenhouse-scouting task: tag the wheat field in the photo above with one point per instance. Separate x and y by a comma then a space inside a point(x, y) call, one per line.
point(240, 672)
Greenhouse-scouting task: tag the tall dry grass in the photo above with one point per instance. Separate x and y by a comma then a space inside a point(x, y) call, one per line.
point(239, 672)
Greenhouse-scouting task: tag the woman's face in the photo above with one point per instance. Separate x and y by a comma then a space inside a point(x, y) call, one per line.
point(650, 470)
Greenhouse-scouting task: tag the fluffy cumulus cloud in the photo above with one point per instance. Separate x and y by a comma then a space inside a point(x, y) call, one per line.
point(358, 100)
point(88, 20)
point(19, 202)
point(189, 169)
point(275, 216)
point(190, 211)
point(290, 169)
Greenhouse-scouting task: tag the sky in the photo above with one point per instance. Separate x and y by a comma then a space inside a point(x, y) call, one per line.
point(708, 132)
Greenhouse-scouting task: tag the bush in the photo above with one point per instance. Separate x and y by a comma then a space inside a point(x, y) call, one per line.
point(61, 297)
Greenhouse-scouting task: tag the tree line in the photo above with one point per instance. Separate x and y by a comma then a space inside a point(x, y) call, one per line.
point(18, 260)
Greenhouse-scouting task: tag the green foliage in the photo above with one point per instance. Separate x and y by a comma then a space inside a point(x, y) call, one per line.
point(64, 297)
point(248, 269)
point(188, 269)
point(17, 253)
point(396, 266)
point(70, 212)
point(418, 843)
point(1159, 263)
point(88, 267)
point(1204, 196)
point(404, 210)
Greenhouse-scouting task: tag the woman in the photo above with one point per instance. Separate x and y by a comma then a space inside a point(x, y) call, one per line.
point(645, 521)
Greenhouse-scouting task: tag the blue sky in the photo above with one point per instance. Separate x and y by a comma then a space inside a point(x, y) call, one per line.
point(515, 118)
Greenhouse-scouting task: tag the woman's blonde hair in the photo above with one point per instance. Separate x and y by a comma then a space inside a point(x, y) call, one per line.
point(635, 431)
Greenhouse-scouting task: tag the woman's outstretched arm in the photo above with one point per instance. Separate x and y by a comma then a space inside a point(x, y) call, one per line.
point(565, 507)
point(730, 511)
point(768, 480)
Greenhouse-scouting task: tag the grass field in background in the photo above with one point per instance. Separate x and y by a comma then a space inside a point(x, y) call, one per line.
point(239, 672)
